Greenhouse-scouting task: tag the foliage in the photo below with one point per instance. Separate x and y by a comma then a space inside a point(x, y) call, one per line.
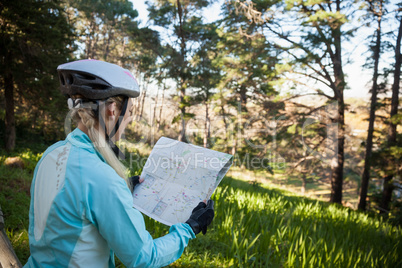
point(101, 26)
point(247, 58)
point(182, 22)
point(36, 38)
point(14, 202)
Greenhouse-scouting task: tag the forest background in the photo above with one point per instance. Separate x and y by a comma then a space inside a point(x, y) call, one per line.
point(264, 81)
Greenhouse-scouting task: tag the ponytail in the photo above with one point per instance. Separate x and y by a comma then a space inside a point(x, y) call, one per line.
point(88, 118)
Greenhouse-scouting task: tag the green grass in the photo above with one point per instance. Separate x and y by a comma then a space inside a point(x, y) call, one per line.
point(255, 226)
point(14, 202)
point(258, 227)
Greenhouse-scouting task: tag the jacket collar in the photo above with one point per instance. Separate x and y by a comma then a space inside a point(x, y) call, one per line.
point(79, 139)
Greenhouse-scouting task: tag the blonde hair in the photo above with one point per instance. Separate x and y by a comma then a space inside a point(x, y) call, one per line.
point(88, 118)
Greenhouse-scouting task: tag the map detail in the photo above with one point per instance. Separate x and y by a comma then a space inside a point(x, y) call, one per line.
point(177, 176)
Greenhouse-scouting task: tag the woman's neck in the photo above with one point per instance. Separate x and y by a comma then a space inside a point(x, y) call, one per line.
point(82, 127)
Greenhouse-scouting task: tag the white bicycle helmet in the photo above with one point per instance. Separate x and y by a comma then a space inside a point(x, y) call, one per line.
point(96, 80)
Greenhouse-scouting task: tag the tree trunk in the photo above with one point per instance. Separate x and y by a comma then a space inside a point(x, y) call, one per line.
point(207, 132)
point(91, 41)
point(395, 87)
point(226, 127)
point(243, 98)
point(95, 36)
point(338, 158)
point(8, 258)
point(154, 113)
point(109, 37)
point(369, 142)
point(386, 195)
point(182, 107)
point(160, 111)
point(304, 182)
point(10, 115)
point(387, 191)
point(182, 88)
point(88, 41)
point(224, 120)
point(121, 54)
point(107, 46)
point(234, 148)
point(143, 99)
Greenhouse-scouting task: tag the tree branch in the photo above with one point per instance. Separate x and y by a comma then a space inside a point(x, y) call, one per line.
point(312, 77)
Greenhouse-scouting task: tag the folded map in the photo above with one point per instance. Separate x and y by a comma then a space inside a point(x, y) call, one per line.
point(177, 176)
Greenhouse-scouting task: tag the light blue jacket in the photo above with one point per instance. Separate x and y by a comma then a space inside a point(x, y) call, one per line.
point(81, 214)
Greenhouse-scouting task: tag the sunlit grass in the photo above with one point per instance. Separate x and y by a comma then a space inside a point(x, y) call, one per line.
point(259, 227)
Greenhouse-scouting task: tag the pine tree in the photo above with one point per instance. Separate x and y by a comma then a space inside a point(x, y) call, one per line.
point(312, 48)
point(36, 38)
point(182, 20)
point(377, 10)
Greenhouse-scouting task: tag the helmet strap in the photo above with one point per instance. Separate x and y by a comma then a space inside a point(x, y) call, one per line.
point(108, 137)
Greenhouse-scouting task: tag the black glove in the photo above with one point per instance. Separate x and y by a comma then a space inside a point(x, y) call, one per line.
point(201, 217)
point(133, 181)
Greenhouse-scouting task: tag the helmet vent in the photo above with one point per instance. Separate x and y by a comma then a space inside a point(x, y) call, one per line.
point(84, 76)
point(99, 86)
point(69, 79)
point(61, 77)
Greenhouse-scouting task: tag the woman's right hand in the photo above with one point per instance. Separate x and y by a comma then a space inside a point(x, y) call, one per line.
point(134, 181)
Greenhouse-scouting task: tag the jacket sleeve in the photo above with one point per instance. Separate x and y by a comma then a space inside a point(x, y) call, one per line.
point(109, 207)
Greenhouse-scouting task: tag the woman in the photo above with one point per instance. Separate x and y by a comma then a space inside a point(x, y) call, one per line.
point(81, 206)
